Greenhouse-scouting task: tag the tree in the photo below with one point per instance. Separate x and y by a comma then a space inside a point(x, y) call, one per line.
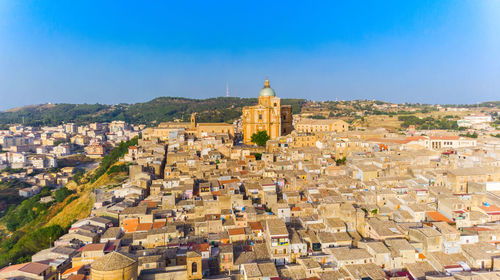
point(62, 193)
point(258, 156)
point(23, 247)
point(317, 117)
point(260, 138)
point(473, 135)
point(341, 161)
point(113, 156)
point(78, 175)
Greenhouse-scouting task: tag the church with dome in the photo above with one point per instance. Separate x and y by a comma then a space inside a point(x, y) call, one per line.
point(268, 115)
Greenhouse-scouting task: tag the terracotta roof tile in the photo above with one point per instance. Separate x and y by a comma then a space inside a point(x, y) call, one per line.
point(144, 227)
point(236, 231)
point(445, 137)
point(159, 224)
point(93, 247)
point(13, 267)
point(76, 277)
point(490, 210)
point(129, 225)
point(256, 226)
point(437, 217)
point(71, 270)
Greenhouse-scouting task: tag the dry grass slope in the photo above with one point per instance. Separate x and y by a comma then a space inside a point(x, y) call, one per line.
point(80, 208)
point(75, 210)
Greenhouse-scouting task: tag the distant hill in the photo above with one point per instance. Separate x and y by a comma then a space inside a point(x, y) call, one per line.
point(221, 109)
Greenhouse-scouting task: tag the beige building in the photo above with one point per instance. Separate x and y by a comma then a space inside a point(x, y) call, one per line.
point(203, 129)
point(114, 266)
point(193, 266)
point(328, 125)
point(430, 238)
point(30, 270)
point(480, 255)
point(163, 131)
point(343, 256)
point(269, 115)
point(460, 177)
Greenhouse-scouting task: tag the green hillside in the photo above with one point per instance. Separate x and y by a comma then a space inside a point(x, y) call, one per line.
point(221, 109)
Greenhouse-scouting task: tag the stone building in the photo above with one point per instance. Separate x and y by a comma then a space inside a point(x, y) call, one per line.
point(168, 129)
point(328, 125)
point(269, 115)
point(114, 266)
point(193, 266)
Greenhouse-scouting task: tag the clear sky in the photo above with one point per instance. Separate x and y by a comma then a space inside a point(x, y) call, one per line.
point(133, 51)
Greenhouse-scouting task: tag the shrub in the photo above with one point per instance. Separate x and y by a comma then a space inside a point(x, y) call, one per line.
point(62, 193)
point(17, 251)
point(117, 169)
point(260, 138)
point(113, 156)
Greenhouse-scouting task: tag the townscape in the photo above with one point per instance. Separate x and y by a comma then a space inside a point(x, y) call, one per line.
point(27, 149)
point(274, 195)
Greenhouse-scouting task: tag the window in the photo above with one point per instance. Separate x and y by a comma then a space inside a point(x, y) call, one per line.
point(194, 267)
point(260, 116)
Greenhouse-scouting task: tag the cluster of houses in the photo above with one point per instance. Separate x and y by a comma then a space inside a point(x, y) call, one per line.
point(39, 148)
point(53, 180)
point(27, 152)
point(312, 204)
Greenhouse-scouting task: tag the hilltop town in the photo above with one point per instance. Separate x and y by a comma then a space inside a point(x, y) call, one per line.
point(274, 195)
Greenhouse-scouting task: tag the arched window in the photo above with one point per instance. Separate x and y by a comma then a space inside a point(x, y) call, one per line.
point(194, 267)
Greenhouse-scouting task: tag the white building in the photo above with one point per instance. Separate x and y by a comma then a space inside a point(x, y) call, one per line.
point(61, 150)
point(475, 119)
point(29, 192)
point(449, 142)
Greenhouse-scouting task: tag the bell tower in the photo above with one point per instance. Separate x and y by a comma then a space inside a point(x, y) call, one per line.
point(193, 120)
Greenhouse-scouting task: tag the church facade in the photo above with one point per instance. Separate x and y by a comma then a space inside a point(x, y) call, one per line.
point(268, 115)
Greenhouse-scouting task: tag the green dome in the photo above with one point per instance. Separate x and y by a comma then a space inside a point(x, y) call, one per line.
point(267, 90)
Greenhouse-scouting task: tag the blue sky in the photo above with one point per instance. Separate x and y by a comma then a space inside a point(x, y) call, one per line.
point(130, 51)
